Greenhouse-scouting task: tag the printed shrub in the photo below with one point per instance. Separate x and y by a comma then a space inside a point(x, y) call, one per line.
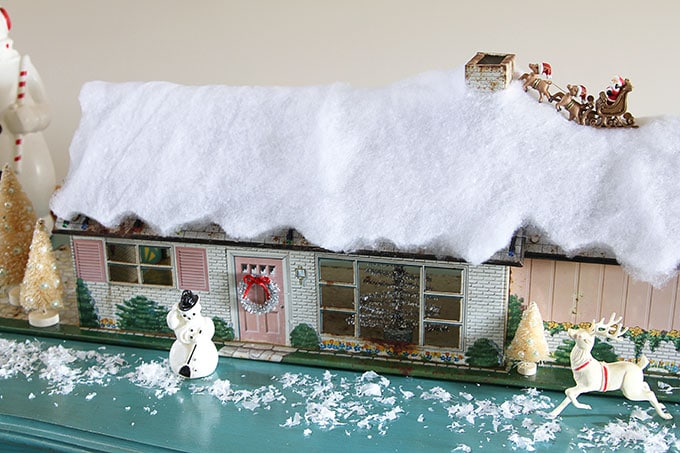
point(484, 353)
point(143, 315)
point(602, 351)
point(223, 331)
point(304, 336)
point(87, 310)
point(514, 316)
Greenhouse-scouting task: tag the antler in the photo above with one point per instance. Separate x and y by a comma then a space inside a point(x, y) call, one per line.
point(604, 329)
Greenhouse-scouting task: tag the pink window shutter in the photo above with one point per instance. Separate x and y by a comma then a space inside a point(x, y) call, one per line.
point(192, 268)
point(89, 258)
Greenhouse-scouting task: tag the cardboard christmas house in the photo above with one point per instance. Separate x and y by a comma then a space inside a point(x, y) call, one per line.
point(330, 198)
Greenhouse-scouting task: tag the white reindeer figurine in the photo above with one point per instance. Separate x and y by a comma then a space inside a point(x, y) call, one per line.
point(591, 375)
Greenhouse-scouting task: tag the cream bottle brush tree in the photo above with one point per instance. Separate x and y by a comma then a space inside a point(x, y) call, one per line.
point(42, 290)
point(17, 219)
point(529, 345)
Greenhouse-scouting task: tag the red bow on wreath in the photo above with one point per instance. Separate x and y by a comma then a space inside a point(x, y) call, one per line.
point(260, 280)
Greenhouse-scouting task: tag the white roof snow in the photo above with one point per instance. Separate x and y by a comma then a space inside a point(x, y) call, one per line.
point(422, 162)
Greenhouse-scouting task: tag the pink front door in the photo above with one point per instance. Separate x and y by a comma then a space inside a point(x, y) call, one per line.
point(267, 327)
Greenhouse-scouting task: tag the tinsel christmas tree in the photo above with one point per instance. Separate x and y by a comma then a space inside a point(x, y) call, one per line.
point(42, 291)
point(394, 306)
point(390, 306)
point(16, 230)
point(529, 345)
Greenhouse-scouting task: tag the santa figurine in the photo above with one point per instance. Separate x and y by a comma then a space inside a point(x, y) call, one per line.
point(25, 114)
point(614, 88)
point(193, 354)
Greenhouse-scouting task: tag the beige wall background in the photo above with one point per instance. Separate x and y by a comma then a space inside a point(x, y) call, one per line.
point(363, 42)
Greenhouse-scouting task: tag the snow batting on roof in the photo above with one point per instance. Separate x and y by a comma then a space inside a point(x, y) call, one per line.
point(422, 162)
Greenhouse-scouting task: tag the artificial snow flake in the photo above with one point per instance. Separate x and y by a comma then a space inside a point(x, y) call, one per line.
point(246, 399)
point(666, 388)
point(321, 415)
point(436, 393)
point(631, 434)
point(466, 395)
point(369, 389)
point(640, 414)
point(406, 393)
point(292, 421)
point(63, 368)
point(546, 432)
point(524, 443)
point(157, 376)
point(18, 357)
point(389, 401)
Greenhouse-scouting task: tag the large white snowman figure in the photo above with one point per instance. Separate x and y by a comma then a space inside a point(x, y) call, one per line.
point(193, 354)
point(24, 113)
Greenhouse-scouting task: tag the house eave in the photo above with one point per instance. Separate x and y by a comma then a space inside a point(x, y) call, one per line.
point(285, 239)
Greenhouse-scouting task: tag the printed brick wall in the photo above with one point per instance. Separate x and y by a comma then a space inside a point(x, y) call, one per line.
point(304, 300)
point(487, 304)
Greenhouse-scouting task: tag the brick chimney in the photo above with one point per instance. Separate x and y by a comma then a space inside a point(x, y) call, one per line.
point(490, 71)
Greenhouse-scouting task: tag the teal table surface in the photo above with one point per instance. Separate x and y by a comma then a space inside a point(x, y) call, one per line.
point(58, 395)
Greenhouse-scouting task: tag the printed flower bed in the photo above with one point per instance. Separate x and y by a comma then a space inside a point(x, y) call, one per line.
point(409, 352)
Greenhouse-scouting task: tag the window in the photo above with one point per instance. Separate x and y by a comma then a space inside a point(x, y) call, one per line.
point(381, 301)
point(337, 288)
point(443, 313)
point(143, 264)
point(139, 264)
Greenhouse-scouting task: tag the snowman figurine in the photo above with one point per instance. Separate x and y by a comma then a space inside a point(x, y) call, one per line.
point(193, 354)
point(24, 114)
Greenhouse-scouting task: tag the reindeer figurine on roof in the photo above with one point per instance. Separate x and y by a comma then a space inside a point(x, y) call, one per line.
point(591, 375)
point(534, 80)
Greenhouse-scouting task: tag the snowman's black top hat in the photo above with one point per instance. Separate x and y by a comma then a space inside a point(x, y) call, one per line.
point(188, 300)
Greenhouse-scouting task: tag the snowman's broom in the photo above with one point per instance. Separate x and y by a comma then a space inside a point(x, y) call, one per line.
point(186, 369)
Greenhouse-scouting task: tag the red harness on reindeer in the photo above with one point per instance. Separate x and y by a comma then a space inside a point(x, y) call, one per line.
point(605, 373)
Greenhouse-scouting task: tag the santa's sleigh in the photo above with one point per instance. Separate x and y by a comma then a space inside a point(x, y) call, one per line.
point(606, 113)
point(602, 112)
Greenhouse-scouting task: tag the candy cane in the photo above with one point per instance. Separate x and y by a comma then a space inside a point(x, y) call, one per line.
point(21, 95)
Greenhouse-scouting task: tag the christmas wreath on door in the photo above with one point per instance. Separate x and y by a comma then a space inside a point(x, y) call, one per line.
point(270, 289)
